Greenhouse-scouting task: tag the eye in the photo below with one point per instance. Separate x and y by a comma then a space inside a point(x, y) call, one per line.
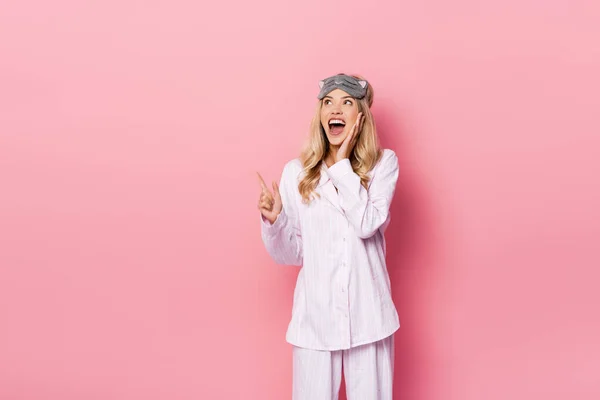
point(349, 102)
point(327, 101)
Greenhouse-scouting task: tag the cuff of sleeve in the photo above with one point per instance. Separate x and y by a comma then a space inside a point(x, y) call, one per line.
point(272, 229)
point(338, 170)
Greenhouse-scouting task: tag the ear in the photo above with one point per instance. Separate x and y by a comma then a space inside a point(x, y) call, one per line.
point(362, 83)
point(321, 84)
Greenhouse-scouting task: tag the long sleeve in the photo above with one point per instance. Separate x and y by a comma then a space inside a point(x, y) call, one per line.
point(366, 210)
point(283, 239)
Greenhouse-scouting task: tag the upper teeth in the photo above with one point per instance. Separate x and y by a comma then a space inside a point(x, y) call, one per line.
point(336, 121)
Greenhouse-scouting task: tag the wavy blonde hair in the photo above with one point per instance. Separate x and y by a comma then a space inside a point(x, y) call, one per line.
point(365, 154)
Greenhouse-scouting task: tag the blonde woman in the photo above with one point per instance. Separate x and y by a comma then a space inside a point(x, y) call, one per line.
point(328, 216)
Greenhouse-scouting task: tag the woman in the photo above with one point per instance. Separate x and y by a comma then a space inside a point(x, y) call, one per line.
point(329, 217)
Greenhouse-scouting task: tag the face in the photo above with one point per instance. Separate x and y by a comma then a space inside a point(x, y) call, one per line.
point(338, 114)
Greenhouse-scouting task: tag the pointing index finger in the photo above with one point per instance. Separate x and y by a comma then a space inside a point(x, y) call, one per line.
point(262, 183)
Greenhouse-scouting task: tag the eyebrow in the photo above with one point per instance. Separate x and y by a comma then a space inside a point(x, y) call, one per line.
point(345, 97)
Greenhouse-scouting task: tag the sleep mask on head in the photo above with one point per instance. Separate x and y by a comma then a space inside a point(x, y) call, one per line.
point(354, 87)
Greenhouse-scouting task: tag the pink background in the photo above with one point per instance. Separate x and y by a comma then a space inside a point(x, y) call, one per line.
point(131, 265)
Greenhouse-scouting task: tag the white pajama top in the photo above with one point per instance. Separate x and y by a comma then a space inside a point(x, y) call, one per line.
point(343, 296)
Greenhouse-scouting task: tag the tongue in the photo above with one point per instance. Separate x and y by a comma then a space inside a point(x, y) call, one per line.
point(337, 129)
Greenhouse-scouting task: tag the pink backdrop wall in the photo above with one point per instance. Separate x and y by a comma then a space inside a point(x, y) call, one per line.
point(131, 264)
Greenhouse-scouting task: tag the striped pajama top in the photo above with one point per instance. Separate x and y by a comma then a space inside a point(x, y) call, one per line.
point(342, 297)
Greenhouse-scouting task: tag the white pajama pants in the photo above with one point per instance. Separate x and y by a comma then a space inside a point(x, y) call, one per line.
point(368, 372)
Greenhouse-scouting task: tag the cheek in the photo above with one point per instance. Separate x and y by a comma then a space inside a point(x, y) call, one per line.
point(323, 121)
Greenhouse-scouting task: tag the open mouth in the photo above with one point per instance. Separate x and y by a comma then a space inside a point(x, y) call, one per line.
point(336, 126)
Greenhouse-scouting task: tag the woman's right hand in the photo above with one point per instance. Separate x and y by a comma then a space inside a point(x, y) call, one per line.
point(269, 204)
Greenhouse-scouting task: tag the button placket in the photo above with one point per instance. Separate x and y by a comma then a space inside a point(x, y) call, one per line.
point(346, 314)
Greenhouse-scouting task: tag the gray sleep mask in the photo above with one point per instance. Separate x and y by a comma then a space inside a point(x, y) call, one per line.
point(354, 87)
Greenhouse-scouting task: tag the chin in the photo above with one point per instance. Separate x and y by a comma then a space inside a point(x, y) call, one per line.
point(336, 140)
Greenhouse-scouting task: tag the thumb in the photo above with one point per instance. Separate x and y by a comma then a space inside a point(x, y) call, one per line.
point(276, 189)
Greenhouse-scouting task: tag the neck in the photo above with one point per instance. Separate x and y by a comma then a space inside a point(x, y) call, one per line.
point(330, 157)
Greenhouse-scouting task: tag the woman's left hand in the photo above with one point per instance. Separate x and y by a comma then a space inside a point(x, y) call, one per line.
point(348, 144)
